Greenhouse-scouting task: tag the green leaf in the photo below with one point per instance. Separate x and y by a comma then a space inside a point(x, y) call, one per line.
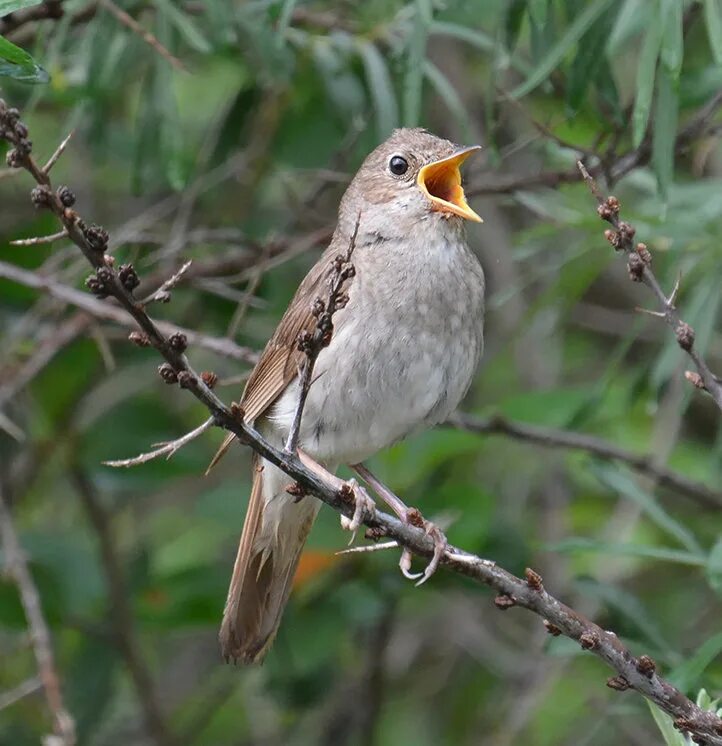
point(672, 737)
point(513, 21)
point(619, 480)
point(713, 21)
point(581, 544)
point(672, 49)
point(443, 87)
point(18, 64)
point(556, 54)
point(630, 20)
point(665, 131)
point(185, 25)
point(714, 567)
point(687, 674)
point(381, 88)
point(10, 6)
point(423, 17)
point(646, 68)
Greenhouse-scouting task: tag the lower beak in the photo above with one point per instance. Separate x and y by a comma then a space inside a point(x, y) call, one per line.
point(441, 184)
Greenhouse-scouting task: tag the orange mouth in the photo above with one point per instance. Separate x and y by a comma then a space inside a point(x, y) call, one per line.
point(441, 183)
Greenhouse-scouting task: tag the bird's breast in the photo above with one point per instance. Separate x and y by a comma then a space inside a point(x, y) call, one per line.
point(402, 355)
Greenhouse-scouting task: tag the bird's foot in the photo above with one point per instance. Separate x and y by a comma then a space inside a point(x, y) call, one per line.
point(364, 507)
point(414, 518)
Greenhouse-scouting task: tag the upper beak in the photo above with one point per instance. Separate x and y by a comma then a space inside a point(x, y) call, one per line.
point(440, 181)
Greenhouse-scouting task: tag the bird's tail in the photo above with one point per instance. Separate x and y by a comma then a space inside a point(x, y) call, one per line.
point(274, 532)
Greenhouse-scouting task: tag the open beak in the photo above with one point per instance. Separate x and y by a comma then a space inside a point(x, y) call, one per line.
point(441, 183)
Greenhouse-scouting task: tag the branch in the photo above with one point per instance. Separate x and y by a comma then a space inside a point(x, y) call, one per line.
point(312, 344)
point(17, 567)
point(550, 437)
point(639, 261)
point(631, 673)
point(106, 312)
point(121, 613)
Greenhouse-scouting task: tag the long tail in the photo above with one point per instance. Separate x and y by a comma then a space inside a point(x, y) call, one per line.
point(274, 532)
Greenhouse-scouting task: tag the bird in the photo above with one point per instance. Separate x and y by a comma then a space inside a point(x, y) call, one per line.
point(402, 355)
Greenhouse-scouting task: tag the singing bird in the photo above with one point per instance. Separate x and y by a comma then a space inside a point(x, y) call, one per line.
point(402, 355)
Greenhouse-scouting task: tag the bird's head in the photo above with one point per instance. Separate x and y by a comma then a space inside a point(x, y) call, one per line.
point(412, 177)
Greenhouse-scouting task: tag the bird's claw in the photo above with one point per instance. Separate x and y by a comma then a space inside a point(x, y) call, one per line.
point(441, 544)
point(364, 507)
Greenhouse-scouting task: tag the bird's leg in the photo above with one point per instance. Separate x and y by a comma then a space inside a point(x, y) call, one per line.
point(408, 515)
point(363, 505)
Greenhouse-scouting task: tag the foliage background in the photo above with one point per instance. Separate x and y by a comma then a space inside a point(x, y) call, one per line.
point(238, 162)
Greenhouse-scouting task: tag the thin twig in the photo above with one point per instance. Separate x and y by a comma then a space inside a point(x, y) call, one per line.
point(21, 691)
point(639, 261)
point(166, 449)
point(311, 344)
point(58, 152)
point(39, 239)
point(17, 566)
point(550, 437)
point(635, 673)
point(144, 34)
point(162, 294)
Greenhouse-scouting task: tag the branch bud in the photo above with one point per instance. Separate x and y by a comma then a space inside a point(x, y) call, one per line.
point(167, 373)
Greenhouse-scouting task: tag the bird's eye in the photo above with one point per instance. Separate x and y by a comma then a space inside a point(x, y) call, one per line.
point(398, 165)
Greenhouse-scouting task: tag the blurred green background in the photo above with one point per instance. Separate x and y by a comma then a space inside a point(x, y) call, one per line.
point(229, 141)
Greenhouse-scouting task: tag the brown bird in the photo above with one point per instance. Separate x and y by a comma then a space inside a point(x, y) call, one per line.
point(401, 357)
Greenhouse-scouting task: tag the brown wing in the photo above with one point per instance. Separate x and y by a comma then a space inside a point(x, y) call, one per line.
point(278, 364)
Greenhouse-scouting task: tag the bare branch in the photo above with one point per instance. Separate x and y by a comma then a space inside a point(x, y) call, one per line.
point(166, 449)
point(17, 567)
point(106, 312)
point(639, 265)
point(58, 152)
point(550, 437)
point(20, 691)
point(631, 672)
point(121, 613)
point(150, 39)
point(312, 344)
point(162, 294)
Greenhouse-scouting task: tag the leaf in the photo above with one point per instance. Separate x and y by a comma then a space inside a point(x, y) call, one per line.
point(714, 567)
point(672, 49)
point(556, 54)
point(581, 544)
point(18, 64)
point(10, 6)
point(443, 87)
point(672, 737)
point(646, 68)
point(381, 88)
point(620, 481)
point(630, 20)
point(513, 21)
point(665, 131)
point(587, 62)
point(185, 25)
point(687, 674)
point(713, 21)
point(423, 17)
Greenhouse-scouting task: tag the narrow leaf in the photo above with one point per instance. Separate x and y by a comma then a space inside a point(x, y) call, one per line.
point(672, 38)
point(713, 21)
point(581, 544)
point(448, 94)
point(10, 6)
point(672, 737)
point(513, 21)
point(18, 64)
point(185, 25)
point(556, 54)
point(665, 131)
point(687, 674)
point(381, 89)
point(415, 62)
point(646, 68)
point(621, 482)
point(630, 20)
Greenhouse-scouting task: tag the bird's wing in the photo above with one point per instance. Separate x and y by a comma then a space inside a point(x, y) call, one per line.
point(281, 358)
